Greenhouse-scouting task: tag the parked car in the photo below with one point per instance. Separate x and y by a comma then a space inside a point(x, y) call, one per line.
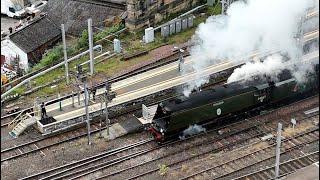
point(14, 10)
point(36, 7)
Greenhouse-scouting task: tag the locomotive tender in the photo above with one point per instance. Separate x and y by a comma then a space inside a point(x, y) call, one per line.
point(173, 117)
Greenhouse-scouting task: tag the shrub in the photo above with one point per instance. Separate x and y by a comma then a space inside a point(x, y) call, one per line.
point(163, 169)
point(50, 57)
point(107, 31)
point(83, 42)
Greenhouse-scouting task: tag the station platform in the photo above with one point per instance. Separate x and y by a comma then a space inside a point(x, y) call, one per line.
point(122, 128)
point(74, 115)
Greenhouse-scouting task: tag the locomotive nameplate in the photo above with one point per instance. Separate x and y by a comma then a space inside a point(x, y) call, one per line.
point(218, 103)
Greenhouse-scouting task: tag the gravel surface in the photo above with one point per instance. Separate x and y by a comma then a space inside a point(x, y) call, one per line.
point(187, 167)
point(62, 154)
point(58, 155)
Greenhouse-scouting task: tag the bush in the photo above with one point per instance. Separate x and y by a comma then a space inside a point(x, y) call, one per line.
point(163, 169)
point(214, 10)
point(107, 31)
point(83, 42)
point(50, 57)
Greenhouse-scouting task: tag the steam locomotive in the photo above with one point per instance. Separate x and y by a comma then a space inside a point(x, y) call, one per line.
point(175, 116)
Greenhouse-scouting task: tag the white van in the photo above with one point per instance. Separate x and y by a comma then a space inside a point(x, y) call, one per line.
point(14, 10)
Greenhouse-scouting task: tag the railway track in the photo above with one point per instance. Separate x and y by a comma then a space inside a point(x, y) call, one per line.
point(37, 145)
point(42, 143)
point(222, 144)
point(254, 158)
point(56, 139)
point(285, 168)
point(93, 166)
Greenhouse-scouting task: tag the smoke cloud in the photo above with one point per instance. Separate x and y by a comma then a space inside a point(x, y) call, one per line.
point(272, 65)
point(254, 25)
point(192, 130)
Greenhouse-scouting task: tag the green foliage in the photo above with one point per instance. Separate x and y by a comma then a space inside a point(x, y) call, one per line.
point(52, 56)
point(19, 90)
point(214, 10)
point(83, 42)
point(107, 31)
point(163, 169)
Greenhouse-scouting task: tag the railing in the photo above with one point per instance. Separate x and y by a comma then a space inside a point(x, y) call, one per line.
point(17, 119)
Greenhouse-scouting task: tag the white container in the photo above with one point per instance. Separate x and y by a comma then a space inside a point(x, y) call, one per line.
point(149, 35)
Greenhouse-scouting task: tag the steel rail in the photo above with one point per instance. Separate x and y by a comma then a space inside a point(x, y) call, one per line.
point(266, 159)
point(209, 151)
point(239, 122)
point(169, 143)
point(121, 159)
point(307, 156)
point(107, 153)
point(118, 160)
point(254, 152)
point(40, 148)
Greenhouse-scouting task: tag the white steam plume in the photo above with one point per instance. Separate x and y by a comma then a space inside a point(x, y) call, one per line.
point(272, 65)
point(262, 25)
point(192, 130)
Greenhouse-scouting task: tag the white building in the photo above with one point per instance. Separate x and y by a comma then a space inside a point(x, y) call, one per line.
point(30, 42)
point(10, 50)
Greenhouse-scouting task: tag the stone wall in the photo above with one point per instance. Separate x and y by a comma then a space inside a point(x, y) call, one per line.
point(144, 13)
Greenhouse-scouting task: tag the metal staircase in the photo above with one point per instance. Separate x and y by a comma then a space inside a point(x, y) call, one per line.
point(20, 123)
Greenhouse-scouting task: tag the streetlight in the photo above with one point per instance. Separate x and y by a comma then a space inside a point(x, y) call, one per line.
point(82, 78)
point(181, 59)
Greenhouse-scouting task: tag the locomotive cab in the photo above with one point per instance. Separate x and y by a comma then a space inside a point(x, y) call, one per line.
point(160, 123)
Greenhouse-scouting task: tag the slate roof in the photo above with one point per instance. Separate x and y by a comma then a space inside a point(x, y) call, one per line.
point(35, 34)
point(74, 14)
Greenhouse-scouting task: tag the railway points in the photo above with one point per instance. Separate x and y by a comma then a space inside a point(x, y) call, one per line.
point(242, 132)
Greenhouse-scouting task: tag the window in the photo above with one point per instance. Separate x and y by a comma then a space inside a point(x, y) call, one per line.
point(11, 9)
point(18, 7)
point(39, 4)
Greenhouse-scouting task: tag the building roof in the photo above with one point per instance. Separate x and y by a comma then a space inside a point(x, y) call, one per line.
point(74, 14)
point(35, 34)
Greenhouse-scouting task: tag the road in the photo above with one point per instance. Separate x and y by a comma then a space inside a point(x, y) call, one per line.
point(7, 22)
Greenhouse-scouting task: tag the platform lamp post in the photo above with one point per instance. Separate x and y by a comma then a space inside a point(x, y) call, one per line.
point(100, 131)
point(108, 97)
point(181, 59)
point(278, 151)
point(82, 77)
point(87, 110)
point(106, 108)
